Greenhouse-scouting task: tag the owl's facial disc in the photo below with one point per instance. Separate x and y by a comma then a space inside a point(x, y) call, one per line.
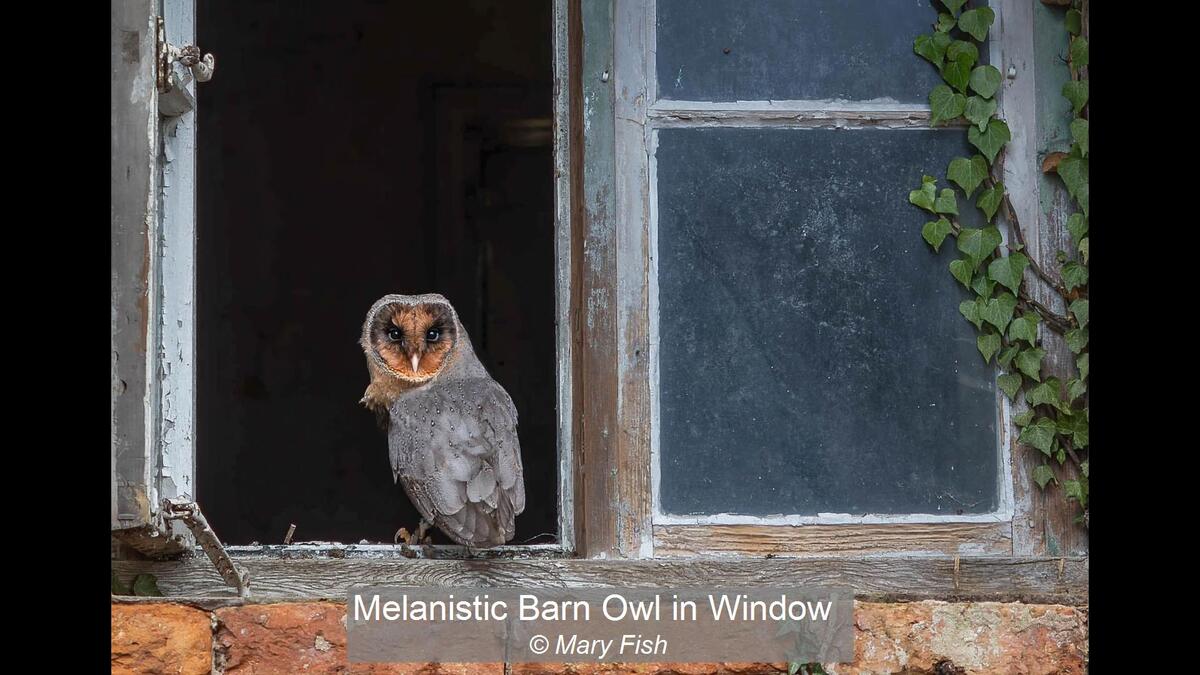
point(415, 341)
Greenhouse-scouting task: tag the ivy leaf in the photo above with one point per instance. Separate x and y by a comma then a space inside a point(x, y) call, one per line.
point(1045, 393)
point(988, 344)
point(962, 269)
point(935, 232)
point(1079, 51)
point(971, 310)
point(1076, 92)
point(1079, 132)
point(1075, 389)
point(1077, 339)
point(1074, 172)
point(954, 5)
point(1024, 327)
point(967, 173)
point(1023, 419)
point(944, 23)
point(1077, 225)
point(990, 199)
point(1083, 249)
point(985, 80)
point(1074, 425)
point(1029, 361)
point(926, 195)
point(945, 104)
point(1007, 355)
point(946, 202)
point(1009, 384)
point(963, 50)
point(1080, 309)
point(1074, 274)
point(1074, 22)
point(146, 585)
point(1039, 434)
point(983, 286)
point(978, 110)
point(999, 310)
point(989, 142)
point(119, 588)
point(1083, 467)
point(979, 244)
point(1082, 363)
point(1008, 270)
point(1077, 490)
point(976, 22)
point(932, 47)
point(1043, 474)
point(957, 72)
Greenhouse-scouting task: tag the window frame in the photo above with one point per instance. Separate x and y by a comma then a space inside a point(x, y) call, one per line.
point(603, 64)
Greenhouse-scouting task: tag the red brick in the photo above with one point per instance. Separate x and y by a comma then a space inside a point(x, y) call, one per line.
point(159, 638)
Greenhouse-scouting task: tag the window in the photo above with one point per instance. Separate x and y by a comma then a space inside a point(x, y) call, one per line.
point(733, 369)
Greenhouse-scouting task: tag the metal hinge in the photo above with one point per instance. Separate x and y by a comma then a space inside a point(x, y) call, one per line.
point(176, 68)
point(188, 512)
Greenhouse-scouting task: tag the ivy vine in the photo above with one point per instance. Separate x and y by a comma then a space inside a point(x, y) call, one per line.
point(1010, 319)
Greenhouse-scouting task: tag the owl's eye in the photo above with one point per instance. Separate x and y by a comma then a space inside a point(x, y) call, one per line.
point(394, 334)
point(433, 335)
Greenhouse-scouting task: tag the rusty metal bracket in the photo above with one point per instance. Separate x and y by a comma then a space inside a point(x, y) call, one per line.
point(176, 68)
point(189, 513)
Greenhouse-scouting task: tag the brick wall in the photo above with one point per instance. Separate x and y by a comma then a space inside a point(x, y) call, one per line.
point(286, 638)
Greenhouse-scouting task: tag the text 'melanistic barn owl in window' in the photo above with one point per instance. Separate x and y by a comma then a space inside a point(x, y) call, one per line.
point(452, 429)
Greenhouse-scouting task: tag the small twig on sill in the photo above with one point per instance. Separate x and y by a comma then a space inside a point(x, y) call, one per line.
point(287, 538)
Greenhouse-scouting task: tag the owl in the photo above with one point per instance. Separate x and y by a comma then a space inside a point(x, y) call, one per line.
point(451, 428)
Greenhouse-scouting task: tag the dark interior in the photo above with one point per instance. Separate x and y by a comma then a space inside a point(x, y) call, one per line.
point(347, 150)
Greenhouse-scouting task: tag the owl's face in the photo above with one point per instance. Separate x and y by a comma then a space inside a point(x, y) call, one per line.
point(414, 340)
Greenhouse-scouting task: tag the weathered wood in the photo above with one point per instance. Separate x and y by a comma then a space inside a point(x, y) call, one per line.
point(800, 114)
point(634, 498)
point(881, 578)
point(833, 540)
point(134, 214)
point(596, 374)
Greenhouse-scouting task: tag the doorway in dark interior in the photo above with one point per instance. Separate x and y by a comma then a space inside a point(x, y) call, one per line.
point(347, 151)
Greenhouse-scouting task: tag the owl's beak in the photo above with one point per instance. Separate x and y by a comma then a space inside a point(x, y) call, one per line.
point(415, 361)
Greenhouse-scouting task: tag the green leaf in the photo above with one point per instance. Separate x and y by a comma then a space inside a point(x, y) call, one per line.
point(1083, 467)
point(1074, 22)
point(926, 196)
point(978, 110)
point(954, 5)
point(1076, 92)
point(1077, 339)
point(990, 199)
point(962, 269)
point(793, 668)
point(1024, 418)
point(1075, 389)
point(983, 286)
point(1029, 361)
point(1060, 455)
point(945, 104)
point(957, 72)
point(119, 588)
point(1079, 52)
point(1039, 434)
point(1007, 355)
point(1084, 248)
point(935, 232)
point(989, 142)
point(1008, 270)
point(979, 244)
point(946, 202)
point(146, 585)
point(1045, 393)
point(1074, 275)
point(1077, 490)
point(1077, 225)
point(1009, 384)
point(1074, 172)
point(971, 310)
point(1024, 327)
point(976, 22)
point(1080, 309)
point(944, 23)
point(1079, 132)
point(963, 50)
point(1082, 363)
point(1043, 474)
point(999, 310)
point(988, 344)
point(985, 80)
point(932, 47)
point(967, 173)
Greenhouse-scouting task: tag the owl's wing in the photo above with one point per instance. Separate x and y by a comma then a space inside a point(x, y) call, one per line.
point(454, 448)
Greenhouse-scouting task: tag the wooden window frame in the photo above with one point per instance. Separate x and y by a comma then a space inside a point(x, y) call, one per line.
point(604, 285)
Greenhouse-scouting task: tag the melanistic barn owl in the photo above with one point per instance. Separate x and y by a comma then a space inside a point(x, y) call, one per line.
point(451, 428)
